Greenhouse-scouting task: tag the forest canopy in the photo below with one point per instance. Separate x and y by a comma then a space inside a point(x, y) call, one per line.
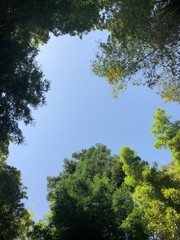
point(104, 196)
point(97, 195)
point(24, 26)
point(142, 49)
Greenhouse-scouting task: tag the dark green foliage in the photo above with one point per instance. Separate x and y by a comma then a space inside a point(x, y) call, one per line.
point(98, 197)
point(22, 86)
point(88, 199)
point(141, 40)
point(171, 8)
point(12, 209)
point(59, 17)
point(25, 25)
point(4, 149)
point(40, 231)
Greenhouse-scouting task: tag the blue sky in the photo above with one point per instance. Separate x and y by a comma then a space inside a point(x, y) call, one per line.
point(81, 112)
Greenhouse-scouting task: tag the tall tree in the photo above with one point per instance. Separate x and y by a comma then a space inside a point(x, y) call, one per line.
point(157, 192)
point(142, 48)
point(12, 210)
point(88, 199)
point(25, 25)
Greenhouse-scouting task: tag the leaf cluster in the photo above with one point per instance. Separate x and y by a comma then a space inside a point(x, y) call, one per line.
point(12, 210)
point(142, 48)
point(91, 201)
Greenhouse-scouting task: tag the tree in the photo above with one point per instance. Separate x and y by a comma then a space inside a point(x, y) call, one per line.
point(22, 88)
point(156, 192)
point(167, 134)
point(12, 210)
point(60, 17)
point(142, 48)
point(23, 27)
point(22, 85)
point(97, 197)
point(155, 197)
point(88, 199)
point(39, 231)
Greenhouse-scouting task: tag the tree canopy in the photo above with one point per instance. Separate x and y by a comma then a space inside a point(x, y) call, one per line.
point(25, 25)
point(97, 195)
point(12, 210)
point(142, 47)
point(156, 191)
point(102, 196)
point(167, 134)
point(88, 199)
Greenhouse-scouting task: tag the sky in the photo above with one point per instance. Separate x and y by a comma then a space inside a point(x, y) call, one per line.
point(80, 112)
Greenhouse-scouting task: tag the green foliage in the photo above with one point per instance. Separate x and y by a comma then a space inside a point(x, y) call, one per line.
point(156, 199)
point(141, 40)
point(99, 196)
point(157, 193)
point(4, 149)
point(15, 221)
point(93, 199)
point(22, 86)
point(167, 134)
point(60, 17)
point(142, 48)
point(40, 231)
point(25, 25)
point(88, 199)
point(132, 166)
point(12, 209)
point(96, 196)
